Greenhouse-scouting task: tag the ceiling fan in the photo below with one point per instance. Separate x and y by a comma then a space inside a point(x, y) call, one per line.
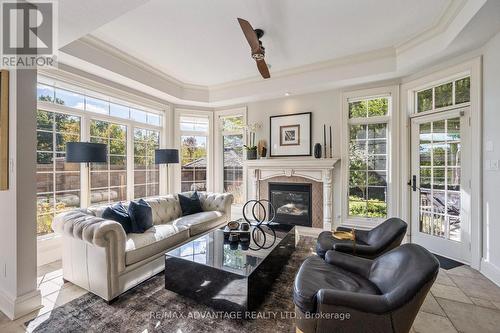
point(253, 37)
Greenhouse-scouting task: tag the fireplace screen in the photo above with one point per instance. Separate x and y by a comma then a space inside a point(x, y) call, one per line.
point(292, 203)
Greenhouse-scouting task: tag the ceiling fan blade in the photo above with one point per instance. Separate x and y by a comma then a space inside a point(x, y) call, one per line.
point(263, 69)
point(250, 35)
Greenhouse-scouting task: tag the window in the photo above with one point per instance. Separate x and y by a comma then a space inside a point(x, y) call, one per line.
point(80, 101)
point(108, 181)
point(444, 95)
point(146, 172)
point(194, 152)
point(368, 157)
point(232, 142)
point(58, 183)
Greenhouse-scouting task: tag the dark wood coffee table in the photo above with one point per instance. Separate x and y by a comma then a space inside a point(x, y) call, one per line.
point(225, 276)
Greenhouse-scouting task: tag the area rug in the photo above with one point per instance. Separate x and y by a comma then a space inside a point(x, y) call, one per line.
point(446, 263)
point(151, 308)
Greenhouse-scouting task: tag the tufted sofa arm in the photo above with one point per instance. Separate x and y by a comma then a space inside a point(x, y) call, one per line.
point(217, 202)
point(95, 231)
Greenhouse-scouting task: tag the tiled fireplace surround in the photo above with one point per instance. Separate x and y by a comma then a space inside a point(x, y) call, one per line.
point(318, 172)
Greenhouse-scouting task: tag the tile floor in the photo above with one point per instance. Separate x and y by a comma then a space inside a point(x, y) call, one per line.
point(461, 300)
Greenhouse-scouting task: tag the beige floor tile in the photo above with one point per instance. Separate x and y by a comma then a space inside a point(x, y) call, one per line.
point(12, 328)
point(66, 295)
point(49, 287)
point(465, 271)
point(449, 292)
point(483, 302)
point(431, 323)
point(476, 287)
point(444, 279)
point(471, 318)
point(430, 305)
point(497, 304)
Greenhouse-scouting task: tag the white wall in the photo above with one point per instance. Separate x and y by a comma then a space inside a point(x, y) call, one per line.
point(491, 179)
point(325, 108)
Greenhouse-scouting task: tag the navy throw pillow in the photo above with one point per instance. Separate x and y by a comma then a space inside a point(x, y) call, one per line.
point(190, 205)
point(141, 215)
point(118, 213)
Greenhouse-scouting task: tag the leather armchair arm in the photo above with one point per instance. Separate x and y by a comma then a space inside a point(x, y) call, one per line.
point(357, 265)
point(328, 299)
point(349, 247)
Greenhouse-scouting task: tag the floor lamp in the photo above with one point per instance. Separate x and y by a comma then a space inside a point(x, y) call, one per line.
point(86, 152)
point(167, 156)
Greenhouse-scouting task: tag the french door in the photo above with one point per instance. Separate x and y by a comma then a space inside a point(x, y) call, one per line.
point(440, 183)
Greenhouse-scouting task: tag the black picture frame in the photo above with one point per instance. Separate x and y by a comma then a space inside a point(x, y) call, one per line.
point(271, 134)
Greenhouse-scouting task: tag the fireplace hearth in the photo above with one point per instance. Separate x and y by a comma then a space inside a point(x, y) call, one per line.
point(292, 202)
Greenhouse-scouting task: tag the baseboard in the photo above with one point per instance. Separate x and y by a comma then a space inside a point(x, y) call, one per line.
point(20, 306)
point(491, 271)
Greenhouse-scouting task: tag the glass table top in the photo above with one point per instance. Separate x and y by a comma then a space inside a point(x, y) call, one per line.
point(214, 250)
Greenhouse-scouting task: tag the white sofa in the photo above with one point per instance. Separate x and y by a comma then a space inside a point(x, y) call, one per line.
point(100, 257)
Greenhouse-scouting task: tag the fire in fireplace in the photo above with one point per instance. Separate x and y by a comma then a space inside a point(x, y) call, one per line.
point(292, 203)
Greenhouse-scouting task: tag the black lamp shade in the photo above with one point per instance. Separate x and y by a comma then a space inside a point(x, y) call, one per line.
point(86, 152)
point(166, 156)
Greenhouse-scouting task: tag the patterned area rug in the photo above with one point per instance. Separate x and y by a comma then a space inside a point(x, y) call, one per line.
point(151, 308)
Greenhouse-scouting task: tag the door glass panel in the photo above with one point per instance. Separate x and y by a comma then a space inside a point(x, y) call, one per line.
point(440, 167)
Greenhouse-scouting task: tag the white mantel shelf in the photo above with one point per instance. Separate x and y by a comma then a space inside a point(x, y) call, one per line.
point(315, 169)
point(293, 163)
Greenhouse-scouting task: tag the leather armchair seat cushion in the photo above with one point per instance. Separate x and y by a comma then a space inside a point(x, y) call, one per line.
point(200, 222)
point(316, 274)
point(326, 242)
point(153, 241)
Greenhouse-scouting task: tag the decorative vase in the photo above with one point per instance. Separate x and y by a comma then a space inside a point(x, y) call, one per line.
point(263, 152)
point(317, 150)
point(252, 154)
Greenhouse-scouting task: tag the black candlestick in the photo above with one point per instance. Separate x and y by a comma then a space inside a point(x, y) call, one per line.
point(331, 148)
point(324, 139)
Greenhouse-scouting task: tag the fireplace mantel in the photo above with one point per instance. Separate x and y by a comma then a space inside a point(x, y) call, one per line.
point(319, 170)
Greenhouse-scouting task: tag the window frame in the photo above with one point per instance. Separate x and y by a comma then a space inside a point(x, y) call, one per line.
point(85, 120)
point(54, 171)
point(181, 112)
point(392, 92)
point(219, 151)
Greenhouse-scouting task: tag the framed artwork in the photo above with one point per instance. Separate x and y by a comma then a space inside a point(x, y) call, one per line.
point(4, 130)
point(290, 135)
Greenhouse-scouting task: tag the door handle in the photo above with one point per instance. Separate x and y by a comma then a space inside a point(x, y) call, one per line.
point(413, 183)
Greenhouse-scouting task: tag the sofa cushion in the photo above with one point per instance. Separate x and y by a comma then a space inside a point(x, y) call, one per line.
point(316, 274)
point(119, 214)
point(155, 240)
point(200, 222)
point(141, 215)
point(190, 204)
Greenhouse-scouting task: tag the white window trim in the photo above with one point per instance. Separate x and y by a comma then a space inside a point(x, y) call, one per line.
point(86, 117)
point(219, 152)
point(392, 149)
point(473, 68)
point(179, 112)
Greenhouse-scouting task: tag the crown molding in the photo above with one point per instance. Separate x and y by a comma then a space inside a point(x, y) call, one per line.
point(99, 44)
point(440, 25)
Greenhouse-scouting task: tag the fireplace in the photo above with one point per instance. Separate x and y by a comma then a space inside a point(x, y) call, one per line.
point(292, 202)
